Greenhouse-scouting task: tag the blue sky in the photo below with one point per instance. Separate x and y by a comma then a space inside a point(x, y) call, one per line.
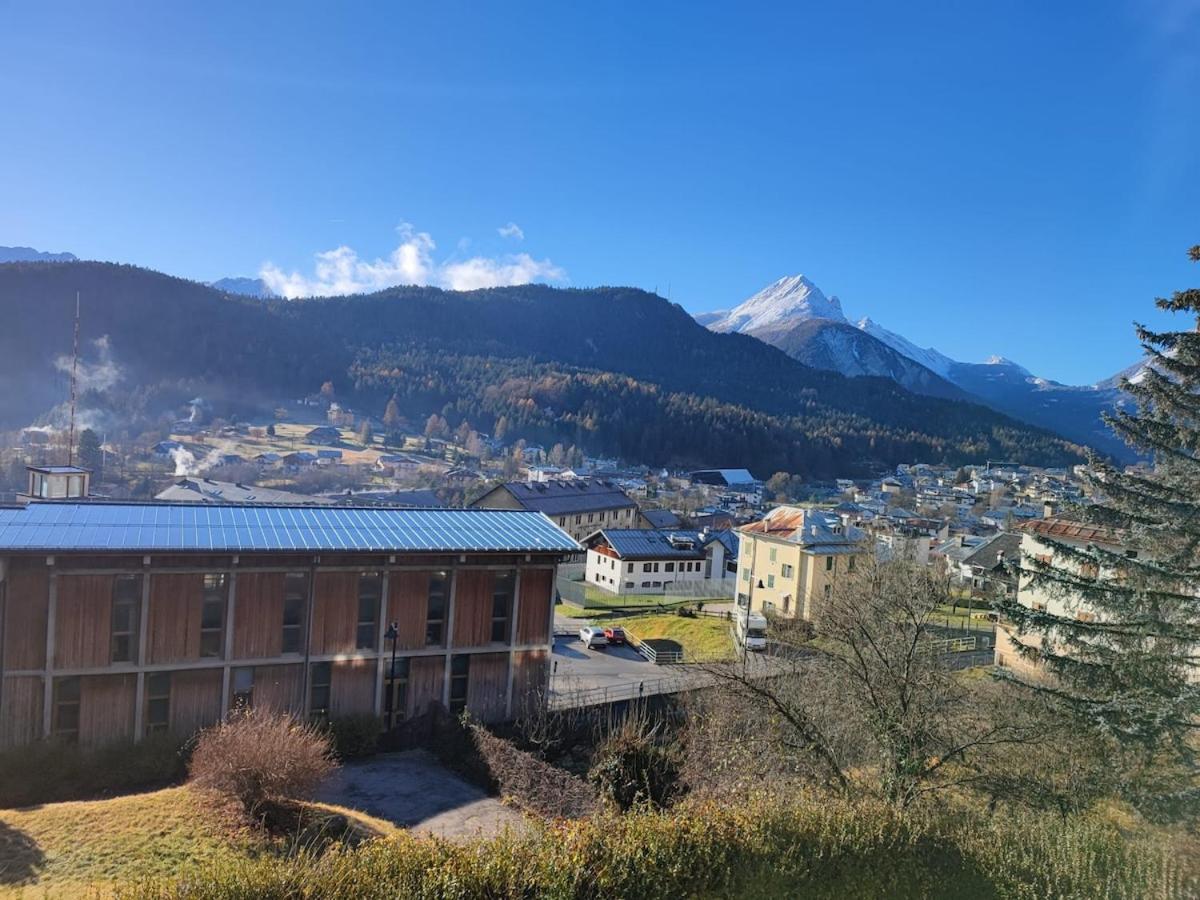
point(988, 178)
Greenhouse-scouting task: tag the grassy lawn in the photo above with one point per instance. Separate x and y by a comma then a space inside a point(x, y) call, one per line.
point(957, 619)
point(702, 638)
point(84, 848)
point(574, 612)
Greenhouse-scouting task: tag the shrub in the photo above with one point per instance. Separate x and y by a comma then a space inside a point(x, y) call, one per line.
point(685, 612)
point(53, 771)
point(534, 783)
point(355, 737)
point(257, 757)
point(634, 766)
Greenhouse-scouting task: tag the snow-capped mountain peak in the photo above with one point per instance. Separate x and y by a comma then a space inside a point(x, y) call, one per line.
point(926, 356)
point(789, 300)
point(1007, 363)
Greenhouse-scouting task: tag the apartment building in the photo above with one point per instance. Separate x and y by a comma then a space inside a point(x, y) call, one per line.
point(121, 620)
point(789, 561)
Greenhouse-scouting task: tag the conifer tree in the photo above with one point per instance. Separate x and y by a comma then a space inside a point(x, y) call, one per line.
point(1127, 667)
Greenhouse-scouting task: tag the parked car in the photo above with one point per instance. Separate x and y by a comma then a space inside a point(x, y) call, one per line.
point(615, 634)
point(592, 637)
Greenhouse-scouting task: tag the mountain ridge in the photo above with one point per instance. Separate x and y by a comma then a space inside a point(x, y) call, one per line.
point(783, 316)
point(642, 381)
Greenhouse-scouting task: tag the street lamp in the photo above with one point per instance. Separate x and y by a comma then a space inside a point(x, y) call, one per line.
point(393, 635)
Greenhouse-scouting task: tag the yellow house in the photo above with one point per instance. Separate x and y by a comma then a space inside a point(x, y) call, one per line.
point(789, 560)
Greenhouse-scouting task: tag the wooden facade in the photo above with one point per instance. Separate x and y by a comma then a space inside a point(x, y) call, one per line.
point(102, 648)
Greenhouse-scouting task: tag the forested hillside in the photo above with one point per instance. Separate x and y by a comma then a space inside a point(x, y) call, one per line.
point(616, 370)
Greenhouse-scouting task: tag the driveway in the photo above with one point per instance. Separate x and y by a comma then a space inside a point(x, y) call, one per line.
point(415, 791)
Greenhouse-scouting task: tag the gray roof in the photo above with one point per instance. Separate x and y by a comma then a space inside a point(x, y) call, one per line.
point(727, 476)
point(649, 543)
point(205, 490)
point(566, 497)
point(988, 554)
point(661, 518)
point(177, 527)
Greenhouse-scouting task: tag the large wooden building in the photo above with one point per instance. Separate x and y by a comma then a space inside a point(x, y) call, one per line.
point(121, 620)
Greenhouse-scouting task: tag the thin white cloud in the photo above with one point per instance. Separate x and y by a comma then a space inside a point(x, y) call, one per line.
point(343, 271)
point(511, 230)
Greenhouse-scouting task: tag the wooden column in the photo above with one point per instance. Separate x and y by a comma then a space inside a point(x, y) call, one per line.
point(449, 634)
point(139, 693)
point(512, 640)
point(381, 649)
point(227, 642)
point(47, 675)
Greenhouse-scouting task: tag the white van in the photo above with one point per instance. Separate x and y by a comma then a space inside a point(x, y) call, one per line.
point(751, 630)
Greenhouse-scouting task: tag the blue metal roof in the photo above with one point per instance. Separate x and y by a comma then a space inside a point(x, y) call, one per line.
point(182, 527)
point(649, 543)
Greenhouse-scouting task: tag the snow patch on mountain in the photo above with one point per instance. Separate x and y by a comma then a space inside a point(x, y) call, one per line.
point(789, 300)
point(925, 356)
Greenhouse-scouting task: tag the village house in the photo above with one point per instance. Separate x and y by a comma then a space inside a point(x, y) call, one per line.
point(1035, 596)
point(121, 620)
point(649, 561)
point(789, 561)
point(579, 506)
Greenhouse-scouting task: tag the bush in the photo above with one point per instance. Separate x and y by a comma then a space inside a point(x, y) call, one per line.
point(634, 767)
point(259, 757)
point(355, 737)
point(685, 612)
point(53, 771)
point(534, 783)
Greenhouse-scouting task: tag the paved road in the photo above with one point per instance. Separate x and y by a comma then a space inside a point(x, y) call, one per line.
point(575, 668)
point(415, 791)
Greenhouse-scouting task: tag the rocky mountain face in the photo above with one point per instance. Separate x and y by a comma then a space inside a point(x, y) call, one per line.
point(794, 315)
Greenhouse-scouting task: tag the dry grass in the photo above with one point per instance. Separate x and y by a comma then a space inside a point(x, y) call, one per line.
point(86, 848)
point(68, 849)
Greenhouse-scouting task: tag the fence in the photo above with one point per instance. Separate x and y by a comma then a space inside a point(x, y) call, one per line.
point(651, 653)
point(575, 699)
point(952, 645)
point(577, 592)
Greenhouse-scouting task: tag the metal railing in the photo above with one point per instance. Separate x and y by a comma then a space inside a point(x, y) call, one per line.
point(951, 645)
point(575, 699)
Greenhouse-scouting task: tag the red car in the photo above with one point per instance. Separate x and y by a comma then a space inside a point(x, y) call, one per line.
point(615, 634)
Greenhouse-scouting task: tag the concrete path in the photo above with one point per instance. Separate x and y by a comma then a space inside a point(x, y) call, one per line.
point(415, 791)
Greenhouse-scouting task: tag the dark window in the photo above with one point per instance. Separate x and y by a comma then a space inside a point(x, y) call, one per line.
point(502, 597)
point(631, 567)
point(395, 697)
point(829, 564)
point(318, 692)
point(212, 615)
point(850, 564)
point(435, 610)
point(158, 702)
point(243, 688)
point(370, 592)
point(670, 567)
point(460, 674)
point(66, 708)
point(645, 567)
point(127, 600)
point(295, 600)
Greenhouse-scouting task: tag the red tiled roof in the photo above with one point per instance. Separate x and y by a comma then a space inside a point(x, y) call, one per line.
point(1072, 531)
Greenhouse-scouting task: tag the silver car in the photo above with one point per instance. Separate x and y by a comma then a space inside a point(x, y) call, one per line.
point(592, 637)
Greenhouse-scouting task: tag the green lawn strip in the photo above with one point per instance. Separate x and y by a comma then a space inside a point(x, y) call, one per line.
point(702, 638)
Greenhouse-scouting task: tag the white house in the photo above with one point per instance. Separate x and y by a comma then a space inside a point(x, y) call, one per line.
point(648, 561)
